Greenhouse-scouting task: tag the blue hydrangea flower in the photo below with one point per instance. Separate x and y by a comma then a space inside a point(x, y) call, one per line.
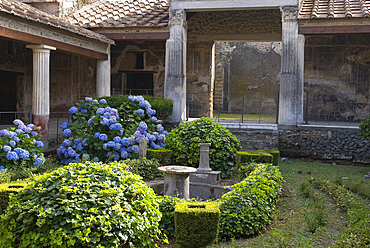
point(140, 112)
point(114, 112)
point(67, 132)
point(12, 156)
point(85, 156)
point(117, 139)
point(72, 153)
point(164, 132)
point(140, 98)
point(72, 110)
point(155, 135)
point(111, 144)
point(38, 162)
point(84, 111)
point(143, 126)
point(77, 141)
point(79, 147)
point(154, 119)
point(27, 136)
point(7, 148)
point(95, 100)
point(96, 159)
point(116, 158)
point(112, 127)
point(90, 121)
point(39, 143)
point(12, 143)
point(125, 142)
point(107, 109)
point(129, 149)
point(34, 133)
point(24, 154)
point(124, 154)
point(84, 142)
point(117, 146)
point(105, 122)
point(110, 154)
point(97, 135)
point(112, 119)
point(64, 125)
point(100, 111)
point(2, 168)
point(160, 128)
point(103, 137)
point(18, 122)
point(107, 115)
point(19, 131)
point(137, 134)
point(103, 101)
point(150, 111)
point(135, 148)
point(105, 146)
point(16, 139)
point(152, 137)
point(161, 138)
point(30, 125)
point(142, 104)
point(88, 99)
point(118, 126)
point(130, 97)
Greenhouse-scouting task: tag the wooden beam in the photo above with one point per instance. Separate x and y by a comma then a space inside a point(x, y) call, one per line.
point(33, 39)
point(353, 29)
point(137, 71)
point(138, 36)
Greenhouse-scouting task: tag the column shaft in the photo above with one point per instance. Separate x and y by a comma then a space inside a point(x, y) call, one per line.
point(103, 77)
point(175, 68)
point(41, 88)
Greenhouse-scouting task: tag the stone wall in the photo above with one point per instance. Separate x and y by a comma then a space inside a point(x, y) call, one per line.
point(340, 144)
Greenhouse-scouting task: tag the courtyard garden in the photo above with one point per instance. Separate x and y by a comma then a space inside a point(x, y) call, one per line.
point(93, 193)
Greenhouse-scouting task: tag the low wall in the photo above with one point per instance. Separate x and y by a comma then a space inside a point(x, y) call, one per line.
point(340, 144)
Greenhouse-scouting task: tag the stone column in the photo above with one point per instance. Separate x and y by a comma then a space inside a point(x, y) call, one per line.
point(291, 90)
point(143, 143)
point(204, 157)
point(103, 76)
point(300, 86)
point(175, 68)
point(41, 89)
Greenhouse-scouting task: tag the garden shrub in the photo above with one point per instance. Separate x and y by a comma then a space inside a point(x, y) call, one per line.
point(163, 106)
point(275, 154)
point(243, 157)
point(82, 205)
point(196, 223)
point(365, 127)
point(184, 142)
point(161, 154)
point(147, 168)
point(249, 206)
point(167, 208)
point(102, 133)
point(6, 190)
point(20, 147)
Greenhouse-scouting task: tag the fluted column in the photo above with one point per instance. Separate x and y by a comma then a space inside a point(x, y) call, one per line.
point(103, 76)
point(41, 89)
point(175, 82)
point(291, 80)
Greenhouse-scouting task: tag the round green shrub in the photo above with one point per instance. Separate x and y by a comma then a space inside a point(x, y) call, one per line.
point(184, 142)
point(83, 205)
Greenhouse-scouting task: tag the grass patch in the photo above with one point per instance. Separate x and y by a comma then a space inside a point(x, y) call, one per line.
point(246, 117)
point(305, 216)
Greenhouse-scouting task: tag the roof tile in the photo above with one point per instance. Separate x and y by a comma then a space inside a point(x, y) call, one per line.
point(123, 13)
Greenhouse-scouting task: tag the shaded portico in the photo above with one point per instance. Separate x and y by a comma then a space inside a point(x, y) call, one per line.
point(181, 14)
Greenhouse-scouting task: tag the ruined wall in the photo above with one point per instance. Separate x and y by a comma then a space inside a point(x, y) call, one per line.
point(124, 60)
point(255, 71)
point(337, 74)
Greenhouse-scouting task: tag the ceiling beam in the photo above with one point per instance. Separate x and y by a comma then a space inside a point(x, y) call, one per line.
point(154, 36)
point(353, 29)
point(33, 39)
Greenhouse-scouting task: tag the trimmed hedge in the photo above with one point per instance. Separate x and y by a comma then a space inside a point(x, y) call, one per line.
point(249, 206)
point(162, 155)
point(196, 223)
point(243, 157)
point(167, 207)
point(146, 168)
point(275, 154)
point(5, 190)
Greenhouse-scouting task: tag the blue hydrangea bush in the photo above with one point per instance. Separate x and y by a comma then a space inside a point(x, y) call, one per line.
point(102, 133)
point(20, 145)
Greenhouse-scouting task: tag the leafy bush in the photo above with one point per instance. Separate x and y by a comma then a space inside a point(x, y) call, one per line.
point(184, 142)
point(275, 154)
point(6, 190)
point(243, 157)
point(147, 168)
point(365, 127)
point(191, 220)
point(249, 206)
point(162, 155)
point(20, 147)
point(167, 207)
point(103, 133)
point(82, 205)
point(163, 106)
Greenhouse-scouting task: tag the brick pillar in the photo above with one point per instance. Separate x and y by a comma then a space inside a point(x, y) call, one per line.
point(41, 89)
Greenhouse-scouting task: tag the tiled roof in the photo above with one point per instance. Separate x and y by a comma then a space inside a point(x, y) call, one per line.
point(28, 12)
point(123, 13)
point(323, 9)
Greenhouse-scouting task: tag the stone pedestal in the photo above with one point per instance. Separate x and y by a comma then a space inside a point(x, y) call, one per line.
point(41, 89)
point(143, 143)
point(176, 180)
point(291, 81)
point(204, 158)
point(103, 77)
point(175, 68)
